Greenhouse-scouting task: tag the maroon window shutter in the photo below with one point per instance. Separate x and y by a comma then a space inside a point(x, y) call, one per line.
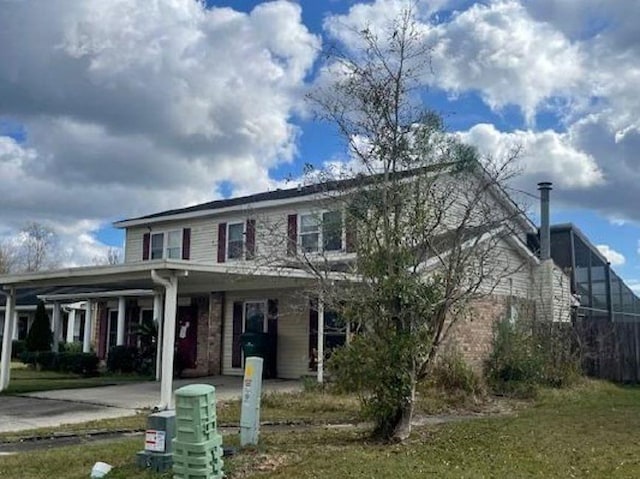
point(272, 334)
point(104, 332)
point(313, 335)
point(350, 236)
point(236, 351)
point(146, 244)
point(292, 235)
point(250, 239)
point(186, 243)
point(222, 242)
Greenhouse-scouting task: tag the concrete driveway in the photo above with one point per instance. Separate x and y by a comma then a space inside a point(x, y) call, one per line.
point(66, 406)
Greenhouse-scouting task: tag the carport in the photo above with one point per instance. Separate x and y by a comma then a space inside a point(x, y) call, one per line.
point(164, 279)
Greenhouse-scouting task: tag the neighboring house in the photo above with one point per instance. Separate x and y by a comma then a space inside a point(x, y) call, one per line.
point(226, 267)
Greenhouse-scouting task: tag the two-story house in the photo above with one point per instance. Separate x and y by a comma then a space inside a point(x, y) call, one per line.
point(216, 270)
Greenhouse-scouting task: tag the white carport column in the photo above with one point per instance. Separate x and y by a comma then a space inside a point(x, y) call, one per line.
point(120, 324)
point(71, 325)
point(56, 326)
point(14, 315)
point(320, 348)
point(86, 341)
point(7, 336)
point(168, 337)
point(157, 317)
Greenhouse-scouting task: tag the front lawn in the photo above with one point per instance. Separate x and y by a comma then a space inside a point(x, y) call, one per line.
point(590, 431)
point(26, 380)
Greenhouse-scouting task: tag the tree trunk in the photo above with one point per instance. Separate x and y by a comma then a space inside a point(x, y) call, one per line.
point(402, 429)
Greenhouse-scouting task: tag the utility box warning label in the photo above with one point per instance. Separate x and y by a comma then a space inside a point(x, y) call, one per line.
point(154, 440)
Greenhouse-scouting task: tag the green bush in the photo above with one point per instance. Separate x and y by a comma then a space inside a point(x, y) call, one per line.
point(29, 358)
point(47, 361)
point(451, 373)
point(72, 347)
point(85, 364)
point(527, 355)
point(122, 359)
point(18, 346)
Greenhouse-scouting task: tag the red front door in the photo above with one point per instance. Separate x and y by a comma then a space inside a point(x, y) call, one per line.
point(187, 336)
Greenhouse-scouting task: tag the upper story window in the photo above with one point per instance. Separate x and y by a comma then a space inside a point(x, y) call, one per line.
point(167, 244)
point(235, 241)
point(321, 232)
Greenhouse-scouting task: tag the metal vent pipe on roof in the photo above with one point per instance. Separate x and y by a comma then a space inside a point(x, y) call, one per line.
point(545, 227)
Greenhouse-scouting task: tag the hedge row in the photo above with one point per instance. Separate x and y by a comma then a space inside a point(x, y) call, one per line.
point(85, 364)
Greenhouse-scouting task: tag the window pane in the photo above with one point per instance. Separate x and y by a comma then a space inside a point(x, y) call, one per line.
point(236, 232)
point(254, 317)
point(174, 239)
point(309, 242)
point(174, 253)
point(332, 231)
point(309, 223)
point(157, 245)
point(235, 242)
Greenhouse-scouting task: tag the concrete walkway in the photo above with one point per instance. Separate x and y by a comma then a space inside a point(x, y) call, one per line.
point(67, 406)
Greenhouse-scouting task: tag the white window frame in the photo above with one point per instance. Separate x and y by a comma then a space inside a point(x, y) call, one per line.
point(165, 243)
point(320, 214)
point(244, 313)
point(244, 238)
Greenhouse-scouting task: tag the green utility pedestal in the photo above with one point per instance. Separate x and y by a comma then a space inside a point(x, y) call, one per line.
point(197, 448)
point(157, 454)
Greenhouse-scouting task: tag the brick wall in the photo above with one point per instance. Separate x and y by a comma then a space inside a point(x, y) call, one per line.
point(473, 335)
point(209, 324)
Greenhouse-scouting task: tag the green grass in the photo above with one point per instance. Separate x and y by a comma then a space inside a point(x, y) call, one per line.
point(308, 408)
point(589, 431)
point(26, 380)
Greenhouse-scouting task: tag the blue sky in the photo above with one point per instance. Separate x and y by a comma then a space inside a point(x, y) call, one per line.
point(153, 105)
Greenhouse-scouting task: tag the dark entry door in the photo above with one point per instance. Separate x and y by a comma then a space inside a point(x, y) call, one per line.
point(187, 336)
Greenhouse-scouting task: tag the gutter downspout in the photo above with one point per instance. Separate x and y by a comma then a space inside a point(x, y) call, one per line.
point(168, 336)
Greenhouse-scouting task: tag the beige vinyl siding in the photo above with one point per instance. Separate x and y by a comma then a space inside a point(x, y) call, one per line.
point(510, 272)
point(293, 331)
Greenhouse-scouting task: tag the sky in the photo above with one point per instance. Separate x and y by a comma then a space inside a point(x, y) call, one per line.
point(115, 109)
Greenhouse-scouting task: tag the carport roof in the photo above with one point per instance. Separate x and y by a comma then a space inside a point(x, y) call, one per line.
point(216, 277)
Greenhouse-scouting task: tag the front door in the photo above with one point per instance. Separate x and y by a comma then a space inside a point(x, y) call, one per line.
point(186, 337)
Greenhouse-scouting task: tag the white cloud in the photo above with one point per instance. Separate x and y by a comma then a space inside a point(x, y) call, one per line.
point(614, 257)
point(131, 107)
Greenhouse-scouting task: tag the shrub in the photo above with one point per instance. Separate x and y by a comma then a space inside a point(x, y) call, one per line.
point(72, 347)
point(527, 355)
point(85, 364)
point(122, 359)
point(451, 373)
point(29, 358)
point(18, 346)
point(47, 361)
point(40, 336)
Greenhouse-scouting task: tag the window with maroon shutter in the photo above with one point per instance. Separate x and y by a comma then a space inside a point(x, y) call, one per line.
point(292, 235)
point(222, 242)
point(250, 239)
point(186, 243)
point(146, 243)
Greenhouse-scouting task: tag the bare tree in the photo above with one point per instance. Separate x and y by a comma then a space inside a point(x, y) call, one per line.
point(111, 257)
point(425, 215)
point(37, 248)
point(7, 258)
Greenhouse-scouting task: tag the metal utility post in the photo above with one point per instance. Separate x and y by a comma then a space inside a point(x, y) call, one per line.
point(545, 221)
point(251, 393)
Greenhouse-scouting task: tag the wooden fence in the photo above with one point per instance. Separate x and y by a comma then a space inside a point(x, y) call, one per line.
point(609, 350)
